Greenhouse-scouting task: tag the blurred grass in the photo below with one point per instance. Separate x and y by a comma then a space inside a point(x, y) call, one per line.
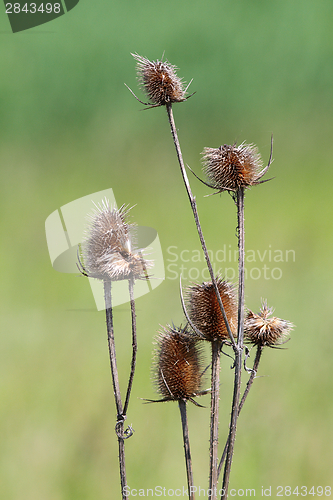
point(69, 127)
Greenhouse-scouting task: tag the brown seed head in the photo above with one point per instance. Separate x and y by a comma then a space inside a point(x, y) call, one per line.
point(261, 330)
point(177, 370)
point(159, 81)
point(231, 167)
point(107, 247)
point(205, 313)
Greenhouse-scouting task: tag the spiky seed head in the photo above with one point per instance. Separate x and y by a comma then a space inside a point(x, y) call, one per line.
point(261, 330)
point(231, 167)
point(177, 367)
point(107, 246)
point(204, 310)
point(159, 81)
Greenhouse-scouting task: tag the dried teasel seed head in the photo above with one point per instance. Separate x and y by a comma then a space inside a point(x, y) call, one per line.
point(205, 313)
point(261, 330)
point(231, 167)
point(159, 81)
point(177, 368)
point(107, 246)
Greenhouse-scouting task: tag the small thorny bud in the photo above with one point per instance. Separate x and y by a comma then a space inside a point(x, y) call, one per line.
point(159, 81)
point(205, 313)
point(107, 247)
point(177, 369)
point(261, 330)
point(231, 167)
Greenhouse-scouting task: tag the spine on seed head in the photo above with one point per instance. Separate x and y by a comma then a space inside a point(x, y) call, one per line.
point(204, 310)
point(159, 81)
point(231, 167)
point(178, 366)
point(262, 330)
point(107, 246)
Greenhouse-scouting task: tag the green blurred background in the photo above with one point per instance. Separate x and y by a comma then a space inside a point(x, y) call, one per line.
point(69, 127)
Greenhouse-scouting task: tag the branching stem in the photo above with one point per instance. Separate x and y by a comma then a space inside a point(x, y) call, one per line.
point(238, 349)
point(116, 389)
point(134, 345)
point(252, 377)
point(241, 404)
point(196, 216)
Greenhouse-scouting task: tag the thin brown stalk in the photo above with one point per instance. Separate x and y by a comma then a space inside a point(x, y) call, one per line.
point(241, 265)
point(241, 404)
point(214, 419)
point(238, 349)
point(195, 214)
point(188, 460)
point(233, 422)
point(134, 345)
point(252, 377)
point(116, 389)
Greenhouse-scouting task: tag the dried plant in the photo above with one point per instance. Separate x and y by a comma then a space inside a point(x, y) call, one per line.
point(213, 312)
point(229, 167)
point(107, 246)
point(177, 374)
point(261, 330)
point(159, 81)
point(205, 313)
point(178, 365)
point(108, 255)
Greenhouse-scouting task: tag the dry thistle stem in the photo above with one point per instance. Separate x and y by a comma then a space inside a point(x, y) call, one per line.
point(205, 313)
point(177, 374)
point(231, 167)
point(177, 370)
point(159, 81)
point(107, 247)
point(261, 330)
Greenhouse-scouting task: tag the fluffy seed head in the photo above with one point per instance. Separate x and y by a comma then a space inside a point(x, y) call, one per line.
point(159, 81)
point(107, 247)
point(231, 167)
point(177, 370)
point(260, 329)
point(205, 313)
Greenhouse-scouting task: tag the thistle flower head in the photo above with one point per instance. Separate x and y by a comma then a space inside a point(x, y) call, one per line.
point(205, 313)
point(260, 329)
point(107, 247)
point(159, 81)
point(231, 167)
point(177, 368)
